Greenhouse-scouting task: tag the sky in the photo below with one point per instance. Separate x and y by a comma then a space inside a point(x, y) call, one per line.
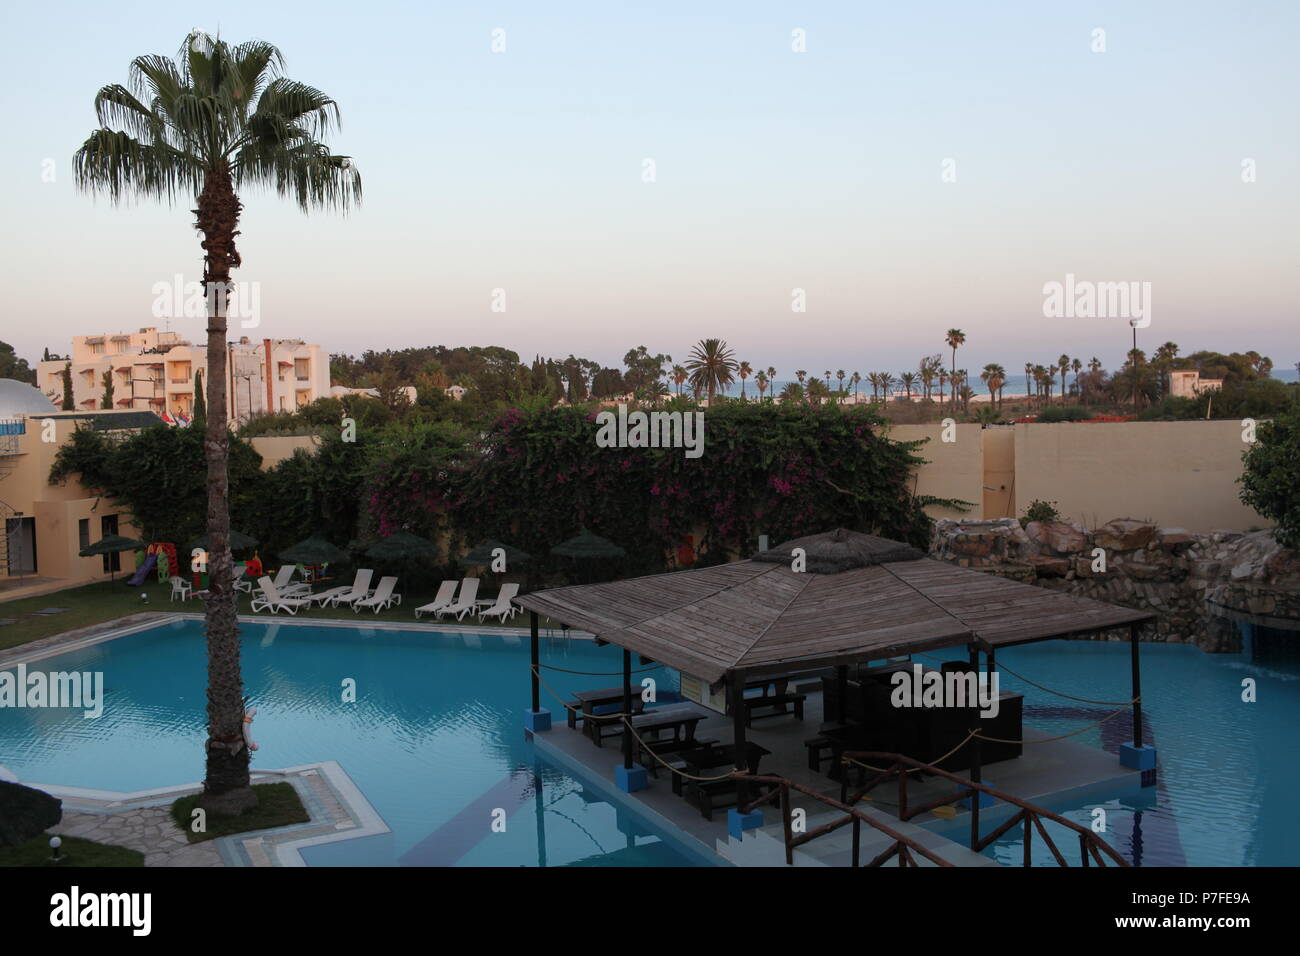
point(916, 167)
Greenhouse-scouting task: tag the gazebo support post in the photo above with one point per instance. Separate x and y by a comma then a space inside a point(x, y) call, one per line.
point(1136, 755)
point(536, 720)
point(842, 691)
point(630, 777)
point(737, 822)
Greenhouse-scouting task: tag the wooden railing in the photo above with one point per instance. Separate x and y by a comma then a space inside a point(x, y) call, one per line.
point(902, 847)
point(1030, 816)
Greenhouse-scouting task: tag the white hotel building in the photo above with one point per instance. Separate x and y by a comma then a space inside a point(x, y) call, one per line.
point(154, 371)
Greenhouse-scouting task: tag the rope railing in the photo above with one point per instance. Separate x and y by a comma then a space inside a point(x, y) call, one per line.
point(1089, 842)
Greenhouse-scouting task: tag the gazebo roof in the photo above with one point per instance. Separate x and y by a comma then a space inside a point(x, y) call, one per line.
point(861, 598)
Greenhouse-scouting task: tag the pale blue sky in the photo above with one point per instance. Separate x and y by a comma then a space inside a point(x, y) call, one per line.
point(775, 170)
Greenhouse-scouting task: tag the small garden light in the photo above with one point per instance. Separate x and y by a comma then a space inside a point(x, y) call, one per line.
point(55, 843)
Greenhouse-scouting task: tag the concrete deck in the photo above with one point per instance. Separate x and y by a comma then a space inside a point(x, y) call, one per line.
point(1045, 774)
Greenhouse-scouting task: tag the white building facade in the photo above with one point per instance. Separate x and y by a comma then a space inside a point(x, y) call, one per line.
point(155, 371)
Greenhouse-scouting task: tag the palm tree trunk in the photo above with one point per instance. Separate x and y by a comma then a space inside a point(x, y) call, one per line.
point(226, 786)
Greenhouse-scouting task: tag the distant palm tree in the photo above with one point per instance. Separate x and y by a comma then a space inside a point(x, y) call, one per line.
point(926, 371)
point(840, 375)
point(942, 374)
point(771, 375)
point(827, 373)
point(761, 381)
point(856, 379)
point(954, 338)
point(679, 375)
point(216, 119)
point(886, 385)
point(818, 392)
point(802, 374)
point(712, 366)
point(1063, 366)
point(1029, 377)
point(744, 371)
point(1076, 367)
point(908, 380)
point(793, 392)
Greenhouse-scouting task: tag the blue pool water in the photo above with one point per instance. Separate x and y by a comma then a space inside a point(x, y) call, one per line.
point(1228, 769)
point(435, 742)
point(435, 739)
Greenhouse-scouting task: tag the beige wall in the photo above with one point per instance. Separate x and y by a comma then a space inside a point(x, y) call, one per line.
point(998, 444)
point(955, 468)
point(276, 448)
point(58, 508)
point(1174, 473)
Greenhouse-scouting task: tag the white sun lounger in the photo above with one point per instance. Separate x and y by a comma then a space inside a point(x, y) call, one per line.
point(283, 585)
point(358, 589)
point(383, 596)
point(466, 603)
point(446, 590)
point(272, 598)
point(503, 608)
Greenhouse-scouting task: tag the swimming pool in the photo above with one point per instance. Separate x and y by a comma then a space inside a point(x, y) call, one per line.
point(1228, 769)
point(434, 740)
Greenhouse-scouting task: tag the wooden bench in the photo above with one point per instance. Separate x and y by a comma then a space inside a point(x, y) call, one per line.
point(777, 702)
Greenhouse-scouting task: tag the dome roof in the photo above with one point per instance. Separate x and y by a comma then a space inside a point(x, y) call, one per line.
point(19, 399)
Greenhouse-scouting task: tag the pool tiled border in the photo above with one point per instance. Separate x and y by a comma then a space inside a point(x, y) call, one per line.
point(339, 810)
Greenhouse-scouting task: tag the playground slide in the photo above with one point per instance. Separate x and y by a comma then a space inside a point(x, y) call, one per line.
point(142, 572)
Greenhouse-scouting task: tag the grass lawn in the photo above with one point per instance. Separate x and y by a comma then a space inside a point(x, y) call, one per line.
point(96, 603)
point(277, 805)
point(75, 852)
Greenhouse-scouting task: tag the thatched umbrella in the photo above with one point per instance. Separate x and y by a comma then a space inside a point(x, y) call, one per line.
point(588, 546)
point(314, 550)
point(402, 546)
point(237, 539)
point(483, 554)
point(112, 544)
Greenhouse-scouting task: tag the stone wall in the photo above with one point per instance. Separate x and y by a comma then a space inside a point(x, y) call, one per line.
point(1195, 582)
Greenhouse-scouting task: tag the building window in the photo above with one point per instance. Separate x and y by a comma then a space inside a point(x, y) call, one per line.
point(107, 526)
point(83, 534)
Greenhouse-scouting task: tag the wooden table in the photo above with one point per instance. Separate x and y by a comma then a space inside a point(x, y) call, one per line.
point(708, 795)
point(590, 700)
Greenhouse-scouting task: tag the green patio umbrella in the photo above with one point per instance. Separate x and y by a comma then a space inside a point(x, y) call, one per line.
point(483, 554)
point(238, 542)
point(112, 544)
point(314, 550)
point(586, 545)
point(402, 546)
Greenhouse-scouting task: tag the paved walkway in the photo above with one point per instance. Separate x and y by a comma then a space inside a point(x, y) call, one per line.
point(150, 830)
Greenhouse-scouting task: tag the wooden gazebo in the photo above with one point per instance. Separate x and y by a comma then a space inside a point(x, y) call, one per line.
point(828, 600)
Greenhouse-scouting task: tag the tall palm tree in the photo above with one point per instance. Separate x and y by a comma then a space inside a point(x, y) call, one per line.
point(827, 375)
point(712, 366)
point(1063, 366)
point(908, 380)
point(818, 392)
point(954, 338)
point(744, 371)
point(840, 376)
point(761, 381)
point(679, 377)
point(856, 380)
point(1030, 378)
point(886, 384)
point(214, 120)
point(942, 374)
point(793, 392)
point(771, 376)
point(1076, 367)
point(801, 374)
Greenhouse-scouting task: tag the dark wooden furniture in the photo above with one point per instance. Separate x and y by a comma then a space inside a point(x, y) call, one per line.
point(668, 730)
point(592, 723)
point(710, 795)
point(775, 697)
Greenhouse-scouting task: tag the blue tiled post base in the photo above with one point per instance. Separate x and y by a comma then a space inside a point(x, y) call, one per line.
point(537, 721)
point(1137, 758)
point(631, 779)
point(738, 823)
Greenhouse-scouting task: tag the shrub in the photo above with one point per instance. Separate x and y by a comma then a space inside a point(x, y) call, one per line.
point(1039, 510)
point(1058, 413)
point(1272, 475)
